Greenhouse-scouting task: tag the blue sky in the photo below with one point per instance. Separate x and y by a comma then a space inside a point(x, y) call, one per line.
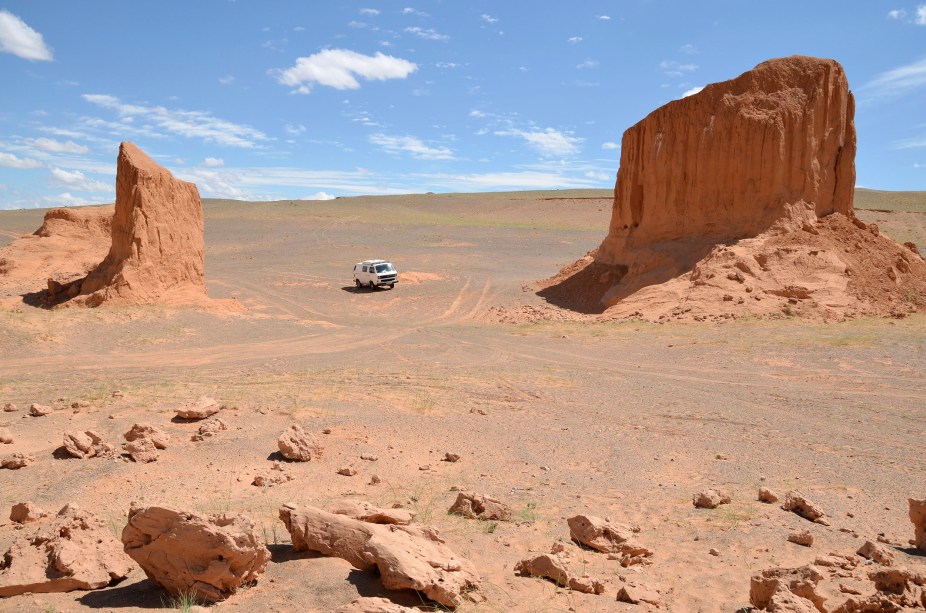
point(288, 99)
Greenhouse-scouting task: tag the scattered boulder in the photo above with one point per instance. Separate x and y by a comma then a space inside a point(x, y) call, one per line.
point(271, 480)
point(347, 471)
point(799, 504)
point(39, 410)
point(710, 499)
point(16, 460)
point(209, 429)
point(87, 444)
point(209, 557)
point(374, 605)
point(918, 517)
point(364, 511)
point(801, 537)
point(297, 444)
point(607, 537)
point(407, 557)
point(635, 592)
point(782, 589)
point(9, 407)
point(767, 496)
point(6, 437)
point(199, 409)
point(451, 457)
point(144, 441)
point(878, 554)
point(26, 512)
point(555, 567)
point(480, 506)
point(76, 551)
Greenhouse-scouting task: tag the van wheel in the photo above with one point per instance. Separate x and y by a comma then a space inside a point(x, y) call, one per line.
point(391, 285)
point(357, 282)
point(372, 285)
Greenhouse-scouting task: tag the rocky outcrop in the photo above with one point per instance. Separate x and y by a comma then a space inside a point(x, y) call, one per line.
point(407, 557)
point(26, 512)
point(75, 551)
point(144, 441)
point(918, 517)
point(157, 250)
point(726, 163)
point(208, 557)
point(364, 511)
point(87, 444)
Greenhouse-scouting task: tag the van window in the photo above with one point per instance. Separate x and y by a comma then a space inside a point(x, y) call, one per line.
point(365, 269)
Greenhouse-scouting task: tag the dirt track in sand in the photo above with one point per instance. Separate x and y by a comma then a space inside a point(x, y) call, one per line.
point(614, 419)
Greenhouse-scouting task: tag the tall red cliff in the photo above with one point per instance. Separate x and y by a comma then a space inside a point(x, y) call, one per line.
point(158, 247)
point(727, 163)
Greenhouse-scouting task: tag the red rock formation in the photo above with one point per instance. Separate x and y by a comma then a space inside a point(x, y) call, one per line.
point(726, 163)
point(157, 238)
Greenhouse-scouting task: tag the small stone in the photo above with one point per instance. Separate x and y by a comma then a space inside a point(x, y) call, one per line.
point(347, 471)
point(6, 437)
point(802, 537)
point(9, 407)
point(713, 551)
point(25, 512)
point(710, 499)
point(375, 480)
point(369, 457)
point(39, 410)
point(766, 495)
point(424, 467)
point(451, 457)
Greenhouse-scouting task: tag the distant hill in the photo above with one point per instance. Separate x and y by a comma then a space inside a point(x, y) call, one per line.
point(877, 200)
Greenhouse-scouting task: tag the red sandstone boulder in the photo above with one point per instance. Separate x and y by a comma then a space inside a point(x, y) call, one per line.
point(88, 444)
point(555, 567)
point(480, 506)
point(209, 557)
point(918, 517)
point(407, 557)
point(607, 537)
point(199, 409)
point(297, 444)
point(76, 551)
point(26, 512)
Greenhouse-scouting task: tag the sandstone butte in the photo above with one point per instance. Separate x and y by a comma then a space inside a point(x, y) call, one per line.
point(157, 251)
point(727, 163)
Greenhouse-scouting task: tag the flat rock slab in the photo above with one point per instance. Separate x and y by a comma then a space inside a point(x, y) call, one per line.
point(188, 553)
point(407, 557)
point(199, 409)
point(374, 605)
point(76, 551)
point(366, 512)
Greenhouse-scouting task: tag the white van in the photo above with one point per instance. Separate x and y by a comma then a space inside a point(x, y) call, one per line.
point(375, 273)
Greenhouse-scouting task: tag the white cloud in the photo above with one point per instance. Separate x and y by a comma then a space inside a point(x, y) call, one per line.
point(897, 14)
point(76, 180)
point(692, 91)
point(66, 199)
point(227, 79)
point(19, 39)
point(56, 146)
point(604, 17)
point(598, 176)
point(8, 160)
point(920, 18)
point(896, 82)
point(339, 68)
point(427, 34)
point(411, 145)
point(320, 196)
point(588, 64)
point(295, 130)
point(676, 69)
point(575, 39)
point(610, 145)
point(371, 12)
point(411, 11)
point(190, 124)
point(447, 65)
point(488, 18)
point(547, 142)
point(688, 49)
point(214, 162)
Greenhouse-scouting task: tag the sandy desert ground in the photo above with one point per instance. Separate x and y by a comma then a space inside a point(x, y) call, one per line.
point(555, 417)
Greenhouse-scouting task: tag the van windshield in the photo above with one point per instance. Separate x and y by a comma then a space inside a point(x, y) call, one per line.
point(384, 268)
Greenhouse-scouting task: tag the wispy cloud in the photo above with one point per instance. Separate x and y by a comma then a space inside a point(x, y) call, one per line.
point(56, 146)
point(587, 64)
point(9, 160)
point(549, 142)
point(340, 69)
point(78, 181)
point(575, 39)
point(676, 69)
point(19, 39)
point(412, 146)
point(896, 14)
point(895, 82)
point(227, 80)
point(190, 124)
point(320, 196)
point(370, 12)
point(427, 33)
point(214, 162)
point(610, 145)
point(688, 49)
point(920, 18)
point(413, 11)
point(488, 18)
point(604, 17)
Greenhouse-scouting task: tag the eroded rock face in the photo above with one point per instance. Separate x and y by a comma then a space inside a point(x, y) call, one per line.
point(157, 252)
point(607, 537)
point(480, 506)
point(918, 517)
point(407, 557)
point(75, 551)
point(184, 552)
point(725, 163)
point(297, 444)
